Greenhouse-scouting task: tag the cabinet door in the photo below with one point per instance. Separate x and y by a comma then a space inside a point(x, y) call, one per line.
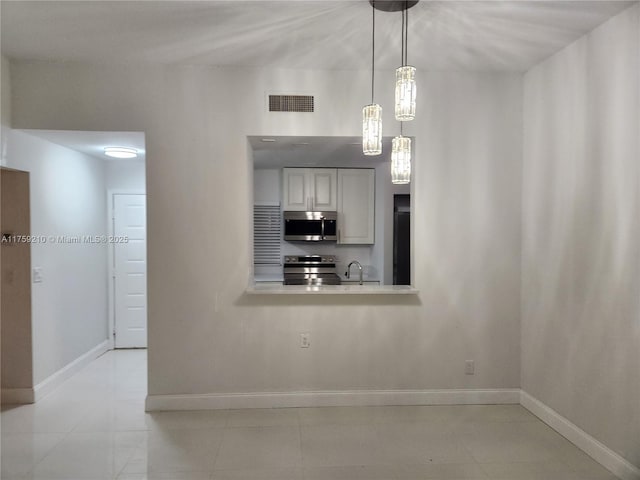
point(295, 191)
point(356, 206)
point(323, 189)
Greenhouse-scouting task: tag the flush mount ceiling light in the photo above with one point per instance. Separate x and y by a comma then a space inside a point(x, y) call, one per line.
point(372, 113)
point(121, 152)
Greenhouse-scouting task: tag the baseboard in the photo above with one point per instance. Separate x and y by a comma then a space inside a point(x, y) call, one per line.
point(331, 399)
point(581, 439)
point(53, 381)
point(14, 396)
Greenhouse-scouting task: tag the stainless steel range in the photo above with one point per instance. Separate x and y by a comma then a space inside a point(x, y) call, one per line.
point(310, 270)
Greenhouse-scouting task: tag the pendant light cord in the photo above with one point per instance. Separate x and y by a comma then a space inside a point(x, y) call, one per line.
point(373, 48)
point(406, 31)
point(402, 39)
point(402, 50)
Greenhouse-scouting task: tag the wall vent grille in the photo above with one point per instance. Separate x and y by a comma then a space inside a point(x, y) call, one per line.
point(290, 103)
point(266, 234)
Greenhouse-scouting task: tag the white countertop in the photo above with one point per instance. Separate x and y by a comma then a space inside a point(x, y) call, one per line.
point(272, 289)
point(268, 277)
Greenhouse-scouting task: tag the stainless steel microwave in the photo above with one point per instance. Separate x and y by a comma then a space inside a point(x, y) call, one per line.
point(310, 226)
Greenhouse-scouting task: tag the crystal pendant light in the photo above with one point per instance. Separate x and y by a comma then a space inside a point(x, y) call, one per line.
point(405, 93)
point(372, 130)
point(372, 114)
point(401, 160)
point(405, 78)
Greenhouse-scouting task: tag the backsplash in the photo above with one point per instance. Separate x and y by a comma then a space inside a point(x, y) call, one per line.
point(343, 253)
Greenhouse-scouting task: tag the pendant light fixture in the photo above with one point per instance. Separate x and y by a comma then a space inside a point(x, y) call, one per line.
point(401, 159)
point(372, 114)
point(405, 76)
point(405, 109)
point(405, 98)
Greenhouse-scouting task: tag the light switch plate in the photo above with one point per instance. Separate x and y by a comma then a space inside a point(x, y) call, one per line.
point(37, 275)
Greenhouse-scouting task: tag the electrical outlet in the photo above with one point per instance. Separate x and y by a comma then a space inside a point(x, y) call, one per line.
point(305, 342)
point(469, 367)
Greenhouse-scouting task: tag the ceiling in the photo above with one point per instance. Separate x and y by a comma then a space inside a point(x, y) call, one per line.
point(444, 35)
point(93, 143)
point(344, 152)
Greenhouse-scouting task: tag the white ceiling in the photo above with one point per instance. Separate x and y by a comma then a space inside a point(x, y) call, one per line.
point(345, 152)
point(93, 143)
point(461, 35)
point(327, 34)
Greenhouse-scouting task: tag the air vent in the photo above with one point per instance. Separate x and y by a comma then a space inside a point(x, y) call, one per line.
point(290, 103)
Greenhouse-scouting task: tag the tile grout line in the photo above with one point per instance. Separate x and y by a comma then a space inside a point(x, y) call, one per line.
point(217, 454)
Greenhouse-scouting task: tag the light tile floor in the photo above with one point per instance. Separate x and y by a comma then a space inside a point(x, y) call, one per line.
point(94, 427)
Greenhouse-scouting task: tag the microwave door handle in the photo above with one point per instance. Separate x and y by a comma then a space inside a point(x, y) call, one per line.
point(322, 228)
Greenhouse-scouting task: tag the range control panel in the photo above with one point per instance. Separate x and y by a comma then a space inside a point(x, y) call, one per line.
point(310, 259)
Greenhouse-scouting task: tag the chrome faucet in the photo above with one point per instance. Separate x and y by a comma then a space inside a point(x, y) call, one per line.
point(348, 273)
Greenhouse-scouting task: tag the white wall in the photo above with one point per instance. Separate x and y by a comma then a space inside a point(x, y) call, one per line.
point(199, 181)
point(266, 185)
point(69, 308)
point(125, 175)
point(581, 236)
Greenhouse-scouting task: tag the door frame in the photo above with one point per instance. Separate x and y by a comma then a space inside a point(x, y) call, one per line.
point(111, 333)
point(397, 199)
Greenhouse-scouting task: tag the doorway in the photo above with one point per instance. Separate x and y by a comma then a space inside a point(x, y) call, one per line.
point(402, 239)
point(17, 363)
point(70, 277)
point(128, 289)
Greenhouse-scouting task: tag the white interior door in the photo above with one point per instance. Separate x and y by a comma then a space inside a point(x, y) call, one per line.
point(130, 270)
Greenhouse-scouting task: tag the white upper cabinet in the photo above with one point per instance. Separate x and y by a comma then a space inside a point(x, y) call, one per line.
point(309, 189)
point(295, 193)
point(356, 205)
point(323, 193)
